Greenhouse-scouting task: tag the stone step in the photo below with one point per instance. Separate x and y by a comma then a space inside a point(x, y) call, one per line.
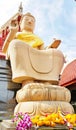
point(8, 125)
point(58, 127)
point(5, 77)
point(5, 72)
point(4, 64)
point(6, 110)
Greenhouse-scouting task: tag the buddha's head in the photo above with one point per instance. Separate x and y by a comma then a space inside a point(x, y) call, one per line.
point(28, 22)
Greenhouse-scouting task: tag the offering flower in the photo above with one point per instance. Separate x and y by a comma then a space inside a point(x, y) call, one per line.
point(22, 121)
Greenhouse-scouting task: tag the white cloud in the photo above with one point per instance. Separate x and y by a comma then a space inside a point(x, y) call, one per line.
point(73, 16)
point(55, 10)
point(50, 17)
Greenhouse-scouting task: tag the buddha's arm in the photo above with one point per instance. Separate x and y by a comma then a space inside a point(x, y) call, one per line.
point(10, 36)
point(55, 44)
point(41, 47)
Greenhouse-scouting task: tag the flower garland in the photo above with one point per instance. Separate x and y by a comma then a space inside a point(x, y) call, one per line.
point(25, 122)
point(22, 121)
point(53, 119)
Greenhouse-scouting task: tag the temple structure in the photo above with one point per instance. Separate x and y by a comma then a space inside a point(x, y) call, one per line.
point(4, 29)
point(34, 74)
point(68, 79)
point(7, 87)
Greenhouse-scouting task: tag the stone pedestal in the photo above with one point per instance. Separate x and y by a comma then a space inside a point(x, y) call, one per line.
point(41, 98)
point(42, 92)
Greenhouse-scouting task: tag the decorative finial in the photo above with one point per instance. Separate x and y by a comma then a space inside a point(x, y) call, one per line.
point(20, 10)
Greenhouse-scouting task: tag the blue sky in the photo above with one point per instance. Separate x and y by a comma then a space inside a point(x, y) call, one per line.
point(54, 19)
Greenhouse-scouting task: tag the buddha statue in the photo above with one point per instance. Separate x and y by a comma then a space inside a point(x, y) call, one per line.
point(37, 68)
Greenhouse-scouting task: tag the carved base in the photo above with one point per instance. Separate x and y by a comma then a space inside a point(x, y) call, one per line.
point(42, 92)
point(43, 107)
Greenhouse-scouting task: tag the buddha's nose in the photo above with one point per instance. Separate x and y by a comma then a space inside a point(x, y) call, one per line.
point(29, 21)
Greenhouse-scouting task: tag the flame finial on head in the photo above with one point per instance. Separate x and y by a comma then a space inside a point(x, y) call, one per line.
point(20, 10)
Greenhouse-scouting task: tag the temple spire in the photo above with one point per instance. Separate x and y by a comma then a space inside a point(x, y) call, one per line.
point(20, 10)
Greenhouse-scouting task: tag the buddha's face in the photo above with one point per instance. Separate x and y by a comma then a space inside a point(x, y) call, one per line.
point(28, 23)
